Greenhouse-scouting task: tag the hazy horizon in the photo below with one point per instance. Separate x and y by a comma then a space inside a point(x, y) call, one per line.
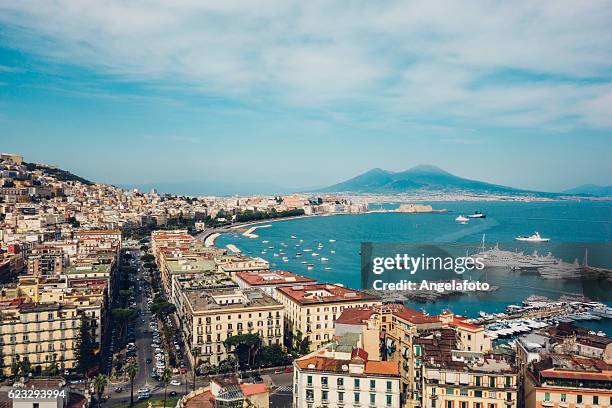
point(304, 95)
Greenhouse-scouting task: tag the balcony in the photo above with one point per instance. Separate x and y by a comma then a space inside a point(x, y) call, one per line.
point(548, 404)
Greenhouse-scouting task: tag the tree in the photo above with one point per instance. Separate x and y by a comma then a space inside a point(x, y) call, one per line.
point(165, 378)
point(272, 356)
point(99, 383)
point(245, 347)
point(162, 309)
point(131, 369)
point(85, 347)
point(196, 353)
point(122, 317)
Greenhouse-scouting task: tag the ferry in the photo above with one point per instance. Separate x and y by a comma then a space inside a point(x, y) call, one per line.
point(532, 238)
point(462, 219)
point(477, 214)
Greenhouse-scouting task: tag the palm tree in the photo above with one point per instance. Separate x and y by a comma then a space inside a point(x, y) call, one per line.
point(131, 369)
point(165, 378)
point(196, 353)
point(99, 383)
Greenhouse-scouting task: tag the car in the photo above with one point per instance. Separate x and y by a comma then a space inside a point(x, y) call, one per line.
point(257, 379)
point(144, 396)
point(172, 393)
point(176, 383)
point(149, 361)
point(118, 389)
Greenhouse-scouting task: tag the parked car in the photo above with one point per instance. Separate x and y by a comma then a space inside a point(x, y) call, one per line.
point(176, 383)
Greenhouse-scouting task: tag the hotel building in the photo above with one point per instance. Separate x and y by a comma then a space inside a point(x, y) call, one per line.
point(312, 310)
point(212, 316)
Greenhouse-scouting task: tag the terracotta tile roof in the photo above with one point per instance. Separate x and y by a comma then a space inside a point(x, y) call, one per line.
point(355, 315)
point(382, 368)
point(253, 389)
point(460, 322)
point(414, 316)
point(577, 375)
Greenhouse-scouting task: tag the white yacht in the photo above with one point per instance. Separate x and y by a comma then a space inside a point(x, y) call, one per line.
point(462, 219)
point(332, 240)
point(532, 238)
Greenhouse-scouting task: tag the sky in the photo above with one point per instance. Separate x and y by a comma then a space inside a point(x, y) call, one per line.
point(309, 93)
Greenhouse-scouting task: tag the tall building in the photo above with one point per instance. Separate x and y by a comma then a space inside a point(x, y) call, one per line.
point(42, 334)
point(213, 316)
point(311, 310)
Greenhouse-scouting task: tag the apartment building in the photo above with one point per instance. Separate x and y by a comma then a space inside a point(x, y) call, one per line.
point(341, 374)
point(311, 310)
point(568, 381)
point(42, 334)
point(451, 378)
point(212, 316)
point(46, 260)
point(232, 264)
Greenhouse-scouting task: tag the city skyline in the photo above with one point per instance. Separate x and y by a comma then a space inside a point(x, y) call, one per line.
point(286, 96)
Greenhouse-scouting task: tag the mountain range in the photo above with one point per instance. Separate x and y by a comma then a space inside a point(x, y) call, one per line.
point(591, 189)
point(422, 177)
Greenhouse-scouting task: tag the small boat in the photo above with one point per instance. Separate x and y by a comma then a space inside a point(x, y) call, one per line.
point(265, 242)
point(308, 250)
point(275, 254)
point(532, 238)
point(270, 247)
point(332, 251)
point(324, 259)
point(315, 254)
point(328, 268)
point(332, 240)
point(462, 219)
point(298, 255)
point(477, 214)
point(310, 266)
point(285, 259)
point(304, 262)
point(293, 237)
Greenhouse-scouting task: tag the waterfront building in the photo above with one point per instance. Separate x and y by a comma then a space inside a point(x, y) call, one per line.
point(342, 374)
point(568, 381)
point(311, 310)
point(232, 264)
point(451, 378)
point(212, 316)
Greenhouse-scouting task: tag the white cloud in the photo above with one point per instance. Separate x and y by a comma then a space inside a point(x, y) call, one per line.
point(421, 58)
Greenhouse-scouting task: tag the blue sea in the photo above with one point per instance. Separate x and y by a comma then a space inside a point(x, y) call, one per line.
point(561, 221)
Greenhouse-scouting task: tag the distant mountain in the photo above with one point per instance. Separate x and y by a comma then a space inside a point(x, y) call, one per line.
point(591, 189)
point(422, 177)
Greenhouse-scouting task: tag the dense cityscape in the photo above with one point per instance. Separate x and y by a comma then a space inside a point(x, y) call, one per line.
point(119, 298)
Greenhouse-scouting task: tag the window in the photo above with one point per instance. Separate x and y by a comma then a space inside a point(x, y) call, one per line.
point(324, 395)
point(491, 381)
point(372, 384)
point(449, 404)
point(340, 383)
point(547, 396)
point(463, 391)
point(309, 395)
point(595, 400)
point(449, 391)
point(463, 404)
point(356, 383)
point(372, 399)
point(389, 386)
point(324, 382)
point(309, 380)
point(340, 397)
point(389, 400)
point(478, 381)
point(478, 393)
point(508, 381)
point(356, 398)
point(579, 399)
point(509, 396)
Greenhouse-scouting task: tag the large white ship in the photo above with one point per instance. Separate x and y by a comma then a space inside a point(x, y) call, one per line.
point(532, 238)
